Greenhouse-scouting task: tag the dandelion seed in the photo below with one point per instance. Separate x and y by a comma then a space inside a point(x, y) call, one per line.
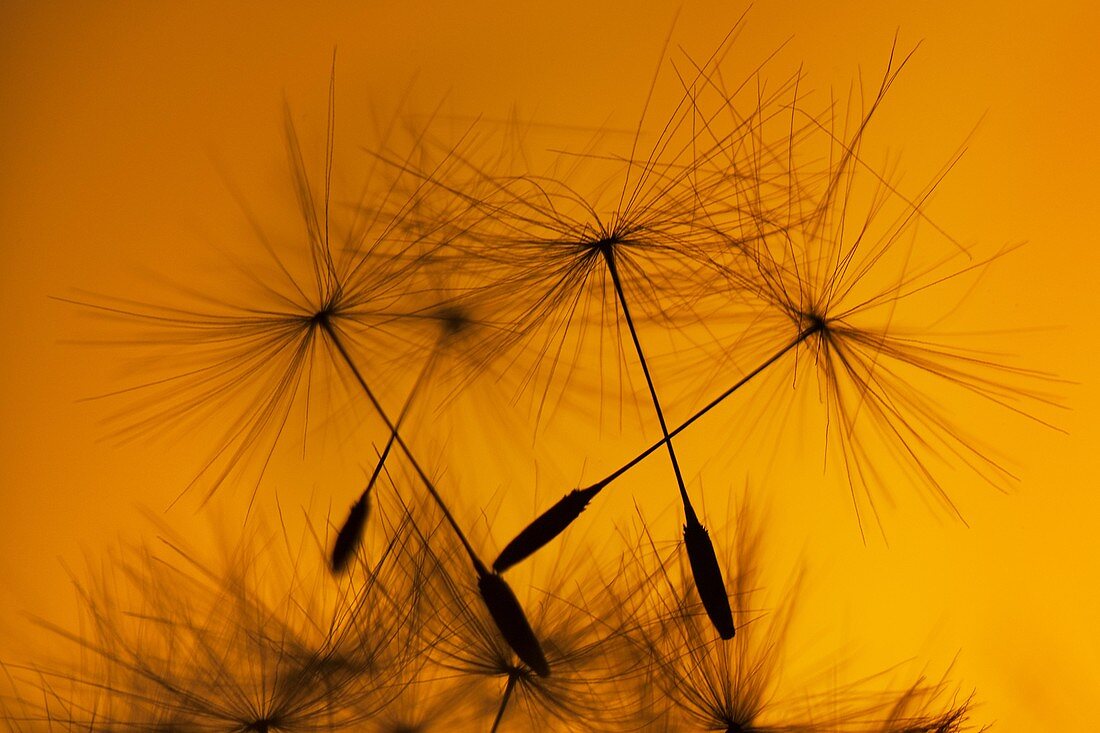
point(572, 618)
point(545, 528)
point(812, 273)
point(826, 280)
point(703, 685)
point(267, 358)
point(708, 577)
point(174, 644)
point(660, 239)
point(351, 531)
point(509, 618)
point(455, 344)
point(315, 325)
point(713, 686)
point(554, 521)
point(498, 597)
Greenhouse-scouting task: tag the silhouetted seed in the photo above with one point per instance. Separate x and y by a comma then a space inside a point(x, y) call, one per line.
point(510, 619)
point(708, 577)
point(498, 597)
point(546, 527)
point(351, 533)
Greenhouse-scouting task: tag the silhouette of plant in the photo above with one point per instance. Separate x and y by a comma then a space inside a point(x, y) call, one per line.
point(250, 644)
point(696, 682)
point(860, 309)
point(653, 245)
point(813, 273)
point(750, 237)
point(329, 320)
point(571, 615)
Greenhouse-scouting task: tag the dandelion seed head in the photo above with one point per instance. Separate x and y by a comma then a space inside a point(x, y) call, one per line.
point(323, 317)
point(556, 263)
point(454, 320)
point(263, 725)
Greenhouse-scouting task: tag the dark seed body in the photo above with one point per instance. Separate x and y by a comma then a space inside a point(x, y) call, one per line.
point(545, 528)
point(708, 577)
point(511, 621)
point(350, 534)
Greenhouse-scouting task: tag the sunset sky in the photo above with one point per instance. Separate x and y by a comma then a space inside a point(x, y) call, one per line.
point(128, 129)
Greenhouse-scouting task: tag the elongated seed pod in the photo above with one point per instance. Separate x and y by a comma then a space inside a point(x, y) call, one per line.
point(546, 527)
point(708, 577)
point(511, 621)
point(350, 534)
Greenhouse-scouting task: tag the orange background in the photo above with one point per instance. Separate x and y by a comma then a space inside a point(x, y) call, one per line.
point(121, 123)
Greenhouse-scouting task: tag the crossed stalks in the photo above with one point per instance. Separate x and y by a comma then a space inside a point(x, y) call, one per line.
point(658, 215)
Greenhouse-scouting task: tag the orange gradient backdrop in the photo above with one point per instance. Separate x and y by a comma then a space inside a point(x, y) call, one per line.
point(122, 122)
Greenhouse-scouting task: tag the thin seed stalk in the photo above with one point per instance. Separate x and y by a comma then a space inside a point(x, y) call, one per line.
point(557, 518)
point(504, 608)
point(512, 676)
point(350, 535)
point(805, 334)
point(609, 258)
point(420, 472)
point(705, 569)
